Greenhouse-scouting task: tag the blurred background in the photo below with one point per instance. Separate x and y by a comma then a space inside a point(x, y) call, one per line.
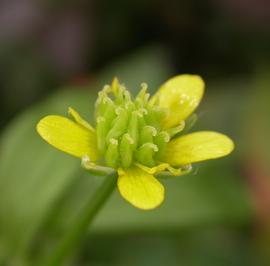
point(55, 54)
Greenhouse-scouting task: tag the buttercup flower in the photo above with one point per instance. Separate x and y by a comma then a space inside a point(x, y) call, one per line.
point(139, 137)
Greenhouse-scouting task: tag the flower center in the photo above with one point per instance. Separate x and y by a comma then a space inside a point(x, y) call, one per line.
point(129, 129)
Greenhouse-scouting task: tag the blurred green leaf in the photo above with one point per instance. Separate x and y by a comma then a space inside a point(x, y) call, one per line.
point(211, 246)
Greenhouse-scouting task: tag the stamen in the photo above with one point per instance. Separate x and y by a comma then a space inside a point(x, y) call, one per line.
point(143, 111)
point(146, 97)
point(126, 150)
point(138, 113)
point(147, 134)
point(143, 95)
point(107, 89)
point(119, 125)
point(119, 97)
point(127, 95)
point(139, 103)
point(118, 110)
point(144, 87)
point(109, 112)
point(130, 106)
point(165, 136)
point(113, 141)
point(161, 141)
point(112, 154)
point(115, 86)
point(173, 131)
point(133, 128)
point(143, 91)
point(100, 105)
point(145, 154)
point(102, 130)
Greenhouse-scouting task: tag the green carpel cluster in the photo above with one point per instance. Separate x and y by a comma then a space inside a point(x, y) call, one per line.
point(129, 129)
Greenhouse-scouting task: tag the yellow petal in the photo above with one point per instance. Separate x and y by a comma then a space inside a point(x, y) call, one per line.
point(79, 119)
point(180, 95)
point(68, 136)
point(140, 188)
point(197, 147)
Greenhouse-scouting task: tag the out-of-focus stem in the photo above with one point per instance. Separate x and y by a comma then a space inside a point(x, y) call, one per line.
point(76, 233)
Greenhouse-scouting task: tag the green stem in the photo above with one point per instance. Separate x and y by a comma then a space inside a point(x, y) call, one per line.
point(86, 217)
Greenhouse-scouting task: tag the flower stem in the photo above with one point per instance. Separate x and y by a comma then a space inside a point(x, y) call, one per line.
point(77, 232)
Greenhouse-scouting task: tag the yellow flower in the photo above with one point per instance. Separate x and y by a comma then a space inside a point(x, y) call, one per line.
point(139, 137)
